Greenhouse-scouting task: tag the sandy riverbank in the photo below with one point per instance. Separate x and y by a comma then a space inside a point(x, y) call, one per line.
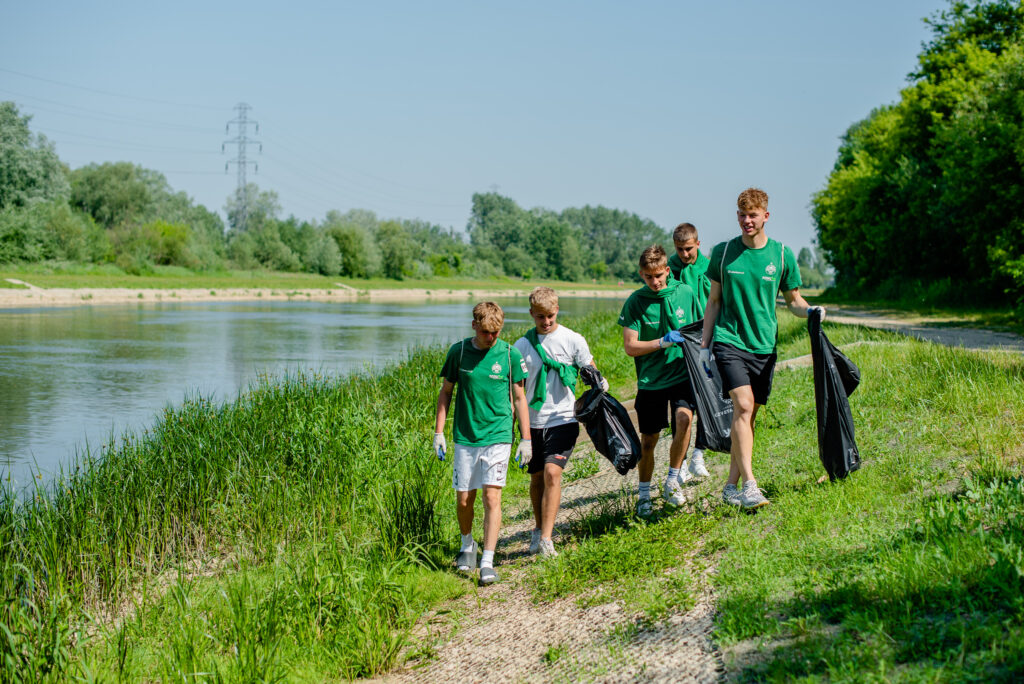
point(35, 297)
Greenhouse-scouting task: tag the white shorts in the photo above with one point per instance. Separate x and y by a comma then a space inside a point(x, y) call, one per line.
point(476, 467)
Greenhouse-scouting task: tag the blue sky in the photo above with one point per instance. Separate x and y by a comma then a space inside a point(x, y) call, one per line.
point(665, 109)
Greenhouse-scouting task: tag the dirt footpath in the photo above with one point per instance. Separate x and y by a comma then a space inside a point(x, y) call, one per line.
point(929, 329)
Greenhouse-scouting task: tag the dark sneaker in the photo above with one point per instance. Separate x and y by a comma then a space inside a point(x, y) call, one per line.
point(487, 577)
point(731, 495)
point(466, 560)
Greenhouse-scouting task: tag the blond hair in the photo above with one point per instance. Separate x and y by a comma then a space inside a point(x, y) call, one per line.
point(489, 316)
point(543, 299)
point(752, 198)
point(653, 258)
point(684, 232)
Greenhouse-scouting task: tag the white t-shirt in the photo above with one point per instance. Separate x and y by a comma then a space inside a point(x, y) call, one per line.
point(562, 345)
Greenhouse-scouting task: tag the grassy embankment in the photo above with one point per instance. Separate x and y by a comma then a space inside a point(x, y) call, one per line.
point(297, 532)
point(172, 277)
point(910, 570)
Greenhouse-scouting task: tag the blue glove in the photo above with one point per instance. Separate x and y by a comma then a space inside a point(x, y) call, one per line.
point(670, 338)
point(705, 361)
point(440, 446)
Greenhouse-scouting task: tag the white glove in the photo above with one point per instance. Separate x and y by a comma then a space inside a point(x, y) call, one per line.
point(705, 361)
point(816, 308)
point(524, 453)
point(440, 446)
point(604, 384)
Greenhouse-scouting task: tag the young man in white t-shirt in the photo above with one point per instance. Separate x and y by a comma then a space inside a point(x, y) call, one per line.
point(550, 391)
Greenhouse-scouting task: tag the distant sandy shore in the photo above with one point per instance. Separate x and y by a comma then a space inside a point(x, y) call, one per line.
point(35, 297)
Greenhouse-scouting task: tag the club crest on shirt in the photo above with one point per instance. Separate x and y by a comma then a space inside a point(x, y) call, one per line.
point(496, 371)
point(680, 314)
point(770, 269)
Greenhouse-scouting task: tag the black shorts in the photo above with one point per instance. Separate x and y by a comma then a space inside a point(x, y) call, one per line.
point(653, 406)
point(739, 367)
point(552, 445)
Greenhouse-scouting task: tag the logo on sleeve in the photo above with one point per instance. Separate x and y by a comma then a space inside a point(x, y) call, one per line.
point(522, 364)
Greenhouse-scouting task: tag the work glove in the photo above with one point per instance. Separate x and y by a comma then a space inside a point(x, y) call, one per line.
point(705, 361)
point(440, 446)
point(670, 338)
point(816, 308)
point(524, 452)
point(604, 384)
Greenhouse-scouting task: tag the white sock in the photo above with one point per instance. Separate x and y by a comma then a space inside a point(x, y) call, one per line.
point(673, 475)
point(487, 559)
point(645, 490)
point(467, 542)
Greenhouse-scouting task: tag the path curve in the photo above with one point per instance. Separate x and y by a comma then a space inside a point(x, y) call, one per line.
point(929, 329)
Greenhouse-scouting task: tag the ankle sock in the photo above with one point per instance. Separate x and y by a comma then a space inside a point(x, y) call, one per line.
point(673, 475)
point(467, 542)
point(645, 490)
point(487, 559)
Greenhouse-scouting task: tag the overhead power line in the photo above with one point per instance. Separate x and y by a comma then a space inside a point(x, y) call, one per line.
point(242, 140)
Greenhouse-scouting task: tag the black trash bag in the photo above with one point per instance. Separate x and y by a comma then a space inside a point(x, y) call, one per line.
point(835, 379)
point(714, 414)
point(607, 422)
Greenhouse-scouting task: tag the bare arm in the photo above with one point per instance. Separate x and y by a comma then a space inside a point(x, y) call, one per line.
point(444, 400)
point(797, 305)
point(634, 347)
point(714, 305)
point(522, 408)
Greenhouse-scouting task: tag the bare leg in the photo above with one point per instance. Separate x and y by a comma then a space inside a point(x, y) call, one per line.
point(552, 498)
point(537, 498)
point(645, 468)
point(492, 516)
point(744, 411)
point(464, 510)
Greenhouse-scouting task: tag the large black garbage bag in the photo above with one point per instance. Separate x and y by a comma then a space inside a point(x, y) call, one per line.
point(714, 414)
point(835, 379)
point(608, 424)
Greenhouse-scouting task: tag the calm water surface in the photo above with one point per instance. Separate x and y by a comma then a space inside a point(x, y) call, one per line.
point(75, 377)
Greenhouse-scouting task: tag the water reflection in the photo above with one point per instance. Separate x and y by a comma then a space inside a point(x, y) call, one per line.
point(70, 377)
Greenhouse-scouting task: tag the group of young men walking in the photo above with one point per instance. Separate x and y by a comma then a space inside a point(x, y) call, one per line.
point(534, 380)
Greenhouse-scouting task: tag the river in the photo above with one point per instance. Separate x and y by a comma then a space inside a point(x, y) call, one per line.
point(81, 376)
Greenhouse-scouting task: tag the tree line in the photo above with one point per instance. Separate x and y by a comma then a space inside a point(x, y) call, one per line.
point(923, 201)
point(122, 214)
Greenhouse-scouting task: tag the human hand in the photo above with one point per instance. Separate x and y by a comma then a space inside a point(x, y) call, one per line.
point(524, 452)
point(670, 338)
point(816, 308)
point(705, 361)
point(440, 446)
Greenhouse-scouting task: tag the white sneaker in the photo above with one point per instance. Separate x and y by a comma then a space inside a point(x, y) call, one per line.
point(534, 541)
point(547, 548)
point(695, 464)
point(673, 494)
point(644, 508)
point(731, 495)
point(684, 475)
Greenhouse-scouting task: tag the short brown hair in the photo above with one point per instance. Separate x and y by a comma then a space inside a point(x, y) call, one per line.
point(684, 232)
point(489, 316)
point(752, 198)
point(544, 299)
point(653, 258)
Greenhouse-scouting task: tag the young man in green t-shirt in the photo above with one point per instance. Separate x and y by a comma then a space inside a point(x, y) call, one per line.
point(650, 320)
point(741, 330)
point(490, 375)
point(690, 266)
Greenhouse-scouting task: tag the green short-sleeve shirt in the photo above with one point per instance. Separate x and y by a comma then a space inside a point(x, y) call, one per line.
point(751, 280)
point(652, 318)
point(483, 408)
point(695, 275)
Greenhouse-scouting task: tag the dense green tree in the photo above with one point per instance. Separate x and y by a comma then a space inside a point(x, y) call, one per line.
point(29, 167)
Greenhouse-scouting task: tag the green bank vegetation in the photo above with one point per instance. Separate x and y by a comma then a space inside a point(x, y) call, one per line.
point(910, 570)
point(295, 533)
point(921, 204)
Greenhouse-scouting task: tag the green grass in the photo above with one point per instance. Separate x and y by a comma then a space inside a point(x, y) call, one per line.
point(65, 275)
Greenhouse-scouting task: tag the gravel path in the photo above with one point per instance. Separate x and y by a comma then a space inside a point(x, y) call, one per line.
point(930, 329)
point(499, 634)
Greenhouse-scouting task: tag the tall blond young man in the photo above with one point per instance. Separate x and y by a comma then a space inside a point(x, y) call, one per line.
point(650, 320)
point(553, 354)
point(741, 330)
point(690, 266)
point(489, 374)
